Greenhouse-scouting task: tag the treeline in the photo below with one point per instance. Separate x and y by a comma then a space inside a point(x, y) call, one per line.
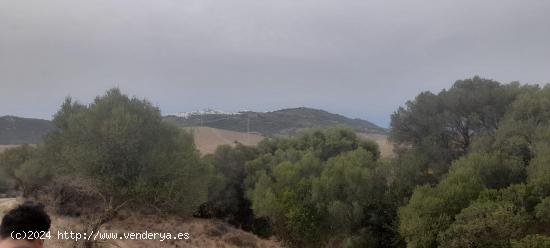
point(112, 154)
point(476, 158)
point(324, 187)
point(471, 169)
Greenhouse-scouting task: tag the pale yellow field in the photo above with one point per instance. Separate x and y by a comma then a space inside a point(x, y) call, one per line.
point(208, 139)
point(5, 147)
point(386, 147)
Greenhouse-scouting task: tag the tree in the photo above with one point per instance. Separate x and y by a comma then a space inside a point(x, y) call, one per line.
point(526, 124)
point(431, 210)
point(443, 126)
point(486, 224)
point(497, 189)
point(122, 144)
point(283, 194)
point(124, 149)
point(349, 195)
point(11, 162)
point(542, 210)
point(227, 197)
point(320, 188)
point(532, 241)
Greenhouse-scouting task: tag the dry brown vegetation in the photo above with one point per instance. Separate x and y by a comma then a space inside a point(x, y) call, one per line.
point(203, 232)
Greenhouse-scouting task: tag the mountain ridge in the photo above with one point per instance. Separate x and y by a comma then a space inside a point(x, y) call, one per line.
point(279, 122)
point(18, 130)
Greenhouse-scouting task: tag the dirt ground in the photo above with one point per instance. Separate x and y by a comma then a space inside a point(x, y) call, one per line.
point(201, 232)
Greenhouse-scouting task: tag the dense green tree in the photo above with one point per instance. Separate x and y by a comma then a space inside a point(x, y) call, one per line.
point(323, 187)
point(432, 210)
point(406, 171)
point(349, 195)
point(486, 224)
point(542, 210)
point(226, 199)
point(118, 149)
point(123, 148)
point(346, 189)
point(284, 196)
point(496, 199)
point(443, 126)
point(532, 241)
point(11, 162)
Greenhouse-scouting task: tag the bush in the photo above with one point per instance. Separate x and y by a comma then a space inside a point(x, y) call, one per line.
point(320, 185)
point(532, 241)
point(227, 195)
point(122, 147)
point(432, 210)
point(11, 165)
point(485, 224)
point(542, 210)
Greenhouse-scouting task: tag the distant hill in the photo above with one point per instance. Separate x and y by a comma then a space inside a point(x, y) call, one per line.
point(17, 130)
point(275, 123)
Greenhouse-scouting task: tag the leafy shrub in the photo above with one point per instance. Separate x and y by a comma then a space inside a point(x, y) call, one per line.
point(432, 210)
point(121, 146)
point(532, 241)
point(322, 185)
point(485, 224)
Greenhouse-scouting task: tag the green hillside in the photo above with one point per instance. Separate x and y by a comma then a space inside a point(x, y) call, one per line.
point(17, 130)
point(280, 122)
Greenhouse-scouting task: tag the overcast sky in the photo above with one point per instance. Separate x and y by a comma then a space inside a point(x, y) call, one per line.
point(358, 58)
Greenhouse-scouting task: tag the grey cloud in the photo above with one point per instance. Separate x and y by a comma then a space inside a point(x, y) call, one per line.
point(359, 58)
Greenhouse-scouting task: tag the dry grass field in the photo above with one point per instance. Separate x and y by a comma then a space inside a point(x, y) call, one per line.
point(386, 147)
point(208, 139)
point(5, 147)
